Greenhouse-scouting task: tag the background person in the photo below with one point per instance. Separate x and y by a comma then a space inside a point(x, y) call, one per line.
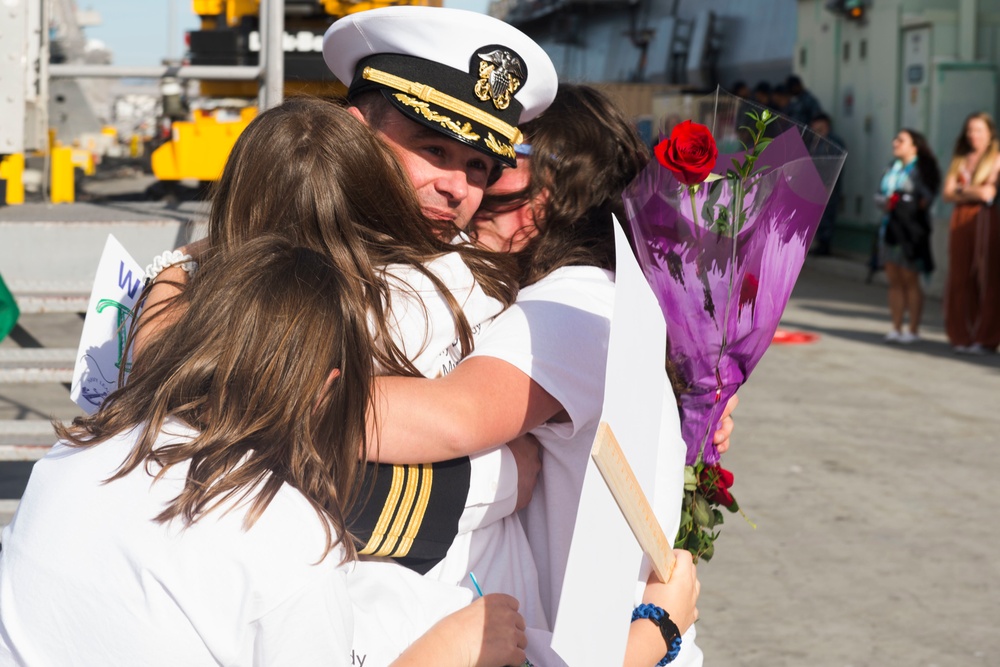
point(907, 190)
point(972, 292)
point(802, 105)
point(823, 126)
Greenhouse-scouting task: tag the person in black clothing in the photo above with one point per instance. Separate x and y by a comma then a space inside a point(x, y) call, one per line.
point(906, 191)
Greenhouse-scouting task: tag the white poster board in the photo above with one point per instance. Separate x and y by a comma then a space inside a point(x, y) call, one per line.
point(605, 561)
point(117, 286)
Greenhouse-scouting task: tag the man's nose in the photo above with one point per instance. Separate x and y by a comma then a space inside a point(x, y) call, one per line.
point(453, 184)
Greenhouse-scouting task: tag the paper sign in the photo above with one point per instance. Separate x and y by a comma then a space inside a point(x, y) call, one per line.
point(605, 560)
point(101, 353)
point(633, 503)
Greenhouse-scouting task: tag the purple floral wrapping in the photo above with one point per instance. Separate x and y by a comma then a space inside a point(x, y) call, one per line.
point(723, 298)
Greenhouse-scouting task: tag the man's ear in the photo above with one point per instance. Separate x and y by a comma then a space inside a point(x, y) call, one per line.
point(356, 112)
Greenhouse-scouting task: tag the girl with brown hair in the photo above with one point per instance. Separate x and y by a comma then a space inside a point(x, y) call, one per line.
point(199, 516)
point(972, 291)
point(312, 172)
point(543, 360)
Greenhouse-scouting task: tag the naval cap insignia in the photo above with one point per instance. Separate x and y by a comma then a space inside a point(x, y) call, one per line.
point(501, 73)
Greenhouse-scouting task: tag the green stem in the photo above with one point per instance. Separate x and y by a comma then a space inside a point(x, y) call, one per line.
point(694, 209)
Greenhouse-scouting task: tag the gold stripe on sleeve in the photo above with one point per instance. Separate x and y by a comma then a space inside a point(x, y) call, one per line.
point(403, 514)
point(417, 520)
point(388, 509)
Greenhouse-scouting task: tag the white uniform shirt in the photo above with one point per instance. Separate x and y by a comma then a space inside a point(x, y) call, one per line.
point(424, 329)
point(88, 578)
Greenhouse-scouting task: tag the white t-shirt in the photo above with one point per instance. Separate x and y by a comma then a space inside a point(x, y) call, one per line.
point(88, 578)
point(557, 333)
point(497, 549)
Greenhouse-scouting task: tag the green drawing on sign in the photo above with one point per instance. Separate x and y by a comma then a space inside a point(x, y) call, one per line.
point(124, 312)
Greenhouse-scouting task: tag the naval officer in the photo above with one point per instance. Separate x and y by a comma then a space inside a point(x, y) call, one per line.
point(446, 89)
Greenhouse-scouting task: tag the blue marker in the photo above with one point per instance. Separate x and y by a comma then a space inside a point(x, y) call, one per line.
point(476, 584)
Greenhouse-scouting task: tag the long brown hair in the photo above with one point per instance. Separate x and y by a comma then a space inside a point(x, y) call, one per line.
point(248, 365)
point(583, 154)
point(963, 147)
point(927, 166)
point(311, 171)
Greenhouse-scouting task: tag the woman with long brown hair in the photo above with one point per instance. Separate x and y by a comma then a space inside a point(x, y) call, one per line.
point(312, 172)
point(543, 360)
point(199, 516)
point(972, 296)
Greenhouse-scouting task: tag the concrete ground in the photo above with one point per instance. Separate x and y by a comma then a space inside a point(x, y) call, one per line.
point(867, 470)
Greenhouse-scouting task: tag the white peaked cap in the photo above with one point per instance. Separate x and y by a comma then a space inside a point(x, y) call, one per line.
point(465, 74)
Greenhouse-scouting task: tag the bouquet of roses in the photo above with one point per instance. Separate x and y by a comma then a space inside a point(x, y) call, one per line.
point(721, 240)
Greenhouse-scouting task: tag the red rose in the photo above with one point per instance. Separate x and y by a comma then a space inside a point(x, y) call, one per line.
point(715, 484)
point(690, 152)
point(893, 201)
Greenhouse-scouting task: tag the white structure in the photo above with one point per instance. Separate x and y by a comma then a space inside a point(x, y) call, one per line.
point(920, 64)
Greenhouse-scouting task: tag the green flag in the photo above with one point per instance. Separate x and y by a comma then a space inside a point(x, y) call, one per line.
point(9, 311)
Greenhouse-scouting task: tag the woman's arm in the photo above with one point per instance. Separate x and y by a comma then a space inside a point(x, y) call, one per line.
point(678, 597)
point(483, 402)
point(490, 632)
point(156, 314)
point(157, 311)
point(956, 193)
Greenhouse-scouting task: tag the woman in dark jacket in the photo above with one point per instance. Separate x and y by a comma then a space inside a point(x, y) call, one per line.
point(906, 191)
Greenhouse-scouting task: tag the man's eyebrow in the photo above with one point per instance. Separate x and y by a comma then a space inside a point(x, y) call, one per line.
point(425, 132)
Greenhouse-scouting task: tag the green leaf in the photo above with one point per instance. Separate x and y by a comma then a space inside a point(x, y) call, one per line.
point(690, 478)
point(711, 178)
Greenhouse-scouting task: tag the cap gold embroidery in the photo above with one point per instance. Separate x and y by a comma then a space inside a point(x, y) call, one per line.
point(429, 94)
point(464, 131)
point(500, 149)
point(500, 75)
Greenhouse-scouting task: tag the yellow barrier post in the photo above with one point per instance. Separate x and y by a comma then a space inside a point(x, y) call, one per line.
point(63, 189)
point(12, 171)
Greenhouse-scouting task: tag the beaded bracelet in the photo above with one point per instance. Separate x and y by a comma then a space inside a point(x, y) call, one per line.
point(669, 630)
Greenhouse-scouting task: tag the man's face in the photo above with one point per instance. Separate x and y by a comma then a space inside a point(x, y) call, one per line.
point(448, 176)
point(508, 231)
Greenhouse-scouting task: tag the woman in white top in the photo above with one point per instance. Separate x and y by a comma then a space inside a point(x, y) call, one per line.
point(199, 517)
point(540, 366)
